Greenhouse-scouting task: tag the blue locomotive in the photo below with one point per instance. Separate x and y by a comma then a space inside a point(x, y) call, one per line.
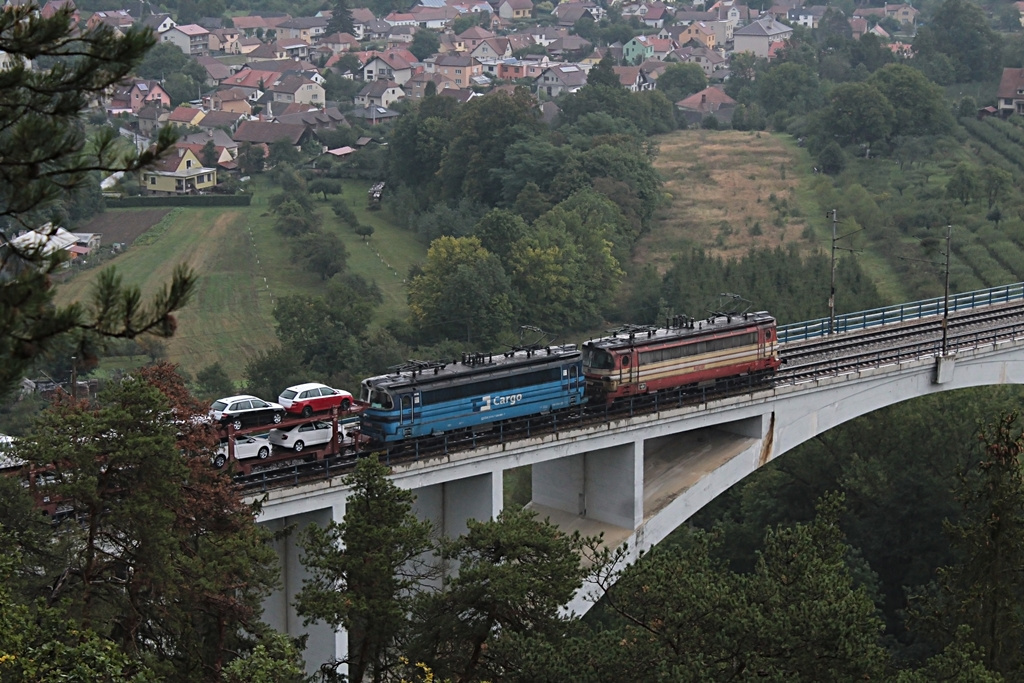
point(421, 398)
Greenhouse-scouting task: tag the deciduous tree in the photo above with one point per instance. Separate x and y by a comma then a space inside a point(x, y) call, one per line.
point(963, 184)
point(682, 80)
point(462, 292)
point(857, 113)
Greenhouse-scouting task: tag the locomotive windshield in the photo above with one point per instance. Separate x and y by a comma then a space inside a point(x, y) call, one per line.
point(598, 359)
point(375, 397)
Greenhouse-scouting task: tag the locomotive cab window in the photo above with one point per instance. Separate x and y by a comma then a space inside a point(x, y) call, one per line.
point(380, 399)
point(598, 359)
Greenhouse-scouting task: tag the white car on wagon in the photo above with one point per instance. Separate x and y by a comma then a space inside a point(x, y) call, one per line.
point(298, 437)
point(245, 447)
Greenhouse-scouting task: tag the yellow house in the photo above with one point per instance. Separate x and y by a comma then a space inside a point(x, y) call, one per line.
point(185, 116)
point(180, 172)
point(701, 32)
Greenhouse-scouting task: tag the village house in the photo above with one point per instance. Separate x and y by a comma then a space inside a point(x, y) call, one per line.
point(560, 78)
point(259, 25)
point(515, 10)
point(1011, 92)
point(340, 42)
point(468, 40)
point(903, 13)
point(568, 13)
point(492, 48)
point(416, 87)
point(379, 94)
point(307, 29)
point(758, 36)
point(185, 116)
point(458, 69)
point(227, 120)
point(699, 32)
point(151, 118)
point(160, 23)
point(569, 48)
point(178, 173)
point(136, 94)
point(192, 39)
point(708, 60)
point(315, 120)
point(219, 138)
point(120, 20)
point(638, 49)
point(436, 18)
point(387, 66)
point(225, 40)
point(708, 102)
point(297, 89)
point(633, 78)
point(266, 133)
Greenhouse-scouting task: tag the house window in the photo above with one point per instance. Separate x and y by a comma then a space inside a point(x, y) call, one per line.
point(152, 180)
point(188, 163)
point(458, 71)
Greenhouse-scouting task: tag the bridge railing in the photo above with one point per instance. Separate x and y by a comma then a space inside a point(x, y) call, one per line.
point(900, 313)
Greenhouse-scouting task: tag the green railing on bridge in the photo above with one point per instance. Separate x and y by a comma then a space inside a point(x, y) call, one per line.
point(900, 313)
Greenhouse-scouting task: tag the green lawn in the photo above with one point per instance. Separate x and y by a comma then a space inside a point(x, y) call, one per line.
point(243, 265)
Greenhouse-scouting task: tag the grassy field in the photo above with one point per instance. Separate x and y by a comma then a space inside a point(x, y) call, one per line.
point(727, 191)
point(243, 265)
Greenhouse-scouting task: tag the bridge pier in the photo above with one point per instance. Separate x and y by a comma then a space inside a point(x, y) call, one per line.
point(279, 608)
point(447, 505)
point(603, 485)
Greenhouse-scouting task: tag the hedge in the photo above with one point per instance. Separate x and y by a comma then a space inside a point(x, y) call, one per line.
point(190, 200)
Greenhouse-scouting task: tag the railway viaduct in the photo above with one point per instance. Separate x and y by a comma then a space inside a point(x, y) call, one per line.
point(636, 478)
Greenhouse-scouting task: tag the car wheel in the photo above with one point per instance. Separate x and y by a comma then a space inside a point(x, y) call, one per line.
point(237, 424)
point(298, 446)
point(307, 411)
point(346, 404)
point(277, 418)
point(219, 461)
point(263, 453)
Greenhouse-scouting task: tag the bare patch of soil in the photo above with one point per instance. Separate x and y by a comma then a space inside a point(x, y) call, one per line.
point(726, 192)
point(124, 226)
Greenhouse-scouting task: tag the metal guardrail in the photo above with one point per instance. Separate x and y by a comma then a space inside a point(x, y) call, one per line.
point(900, 313)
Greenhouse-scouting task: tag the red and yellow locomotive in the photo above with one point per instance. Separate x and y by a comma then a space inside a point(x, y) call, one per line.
point(687, 352)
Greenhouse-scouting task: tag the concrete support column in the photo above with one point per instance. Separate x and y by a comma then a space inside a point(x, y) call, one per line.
point(279, 609)
point(448, 505)
point(605, 484)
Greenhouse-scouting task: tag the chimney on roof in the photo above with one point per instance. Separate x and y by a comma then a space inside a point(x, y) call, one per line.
point(703, 98)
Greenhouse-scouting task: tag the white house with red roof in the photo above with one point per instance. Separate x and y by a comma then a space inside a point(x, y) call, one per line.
point(387, 66)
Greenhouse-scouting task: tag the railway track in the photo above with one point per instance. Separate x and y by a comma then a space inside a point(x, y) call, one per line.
point(803, 361)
